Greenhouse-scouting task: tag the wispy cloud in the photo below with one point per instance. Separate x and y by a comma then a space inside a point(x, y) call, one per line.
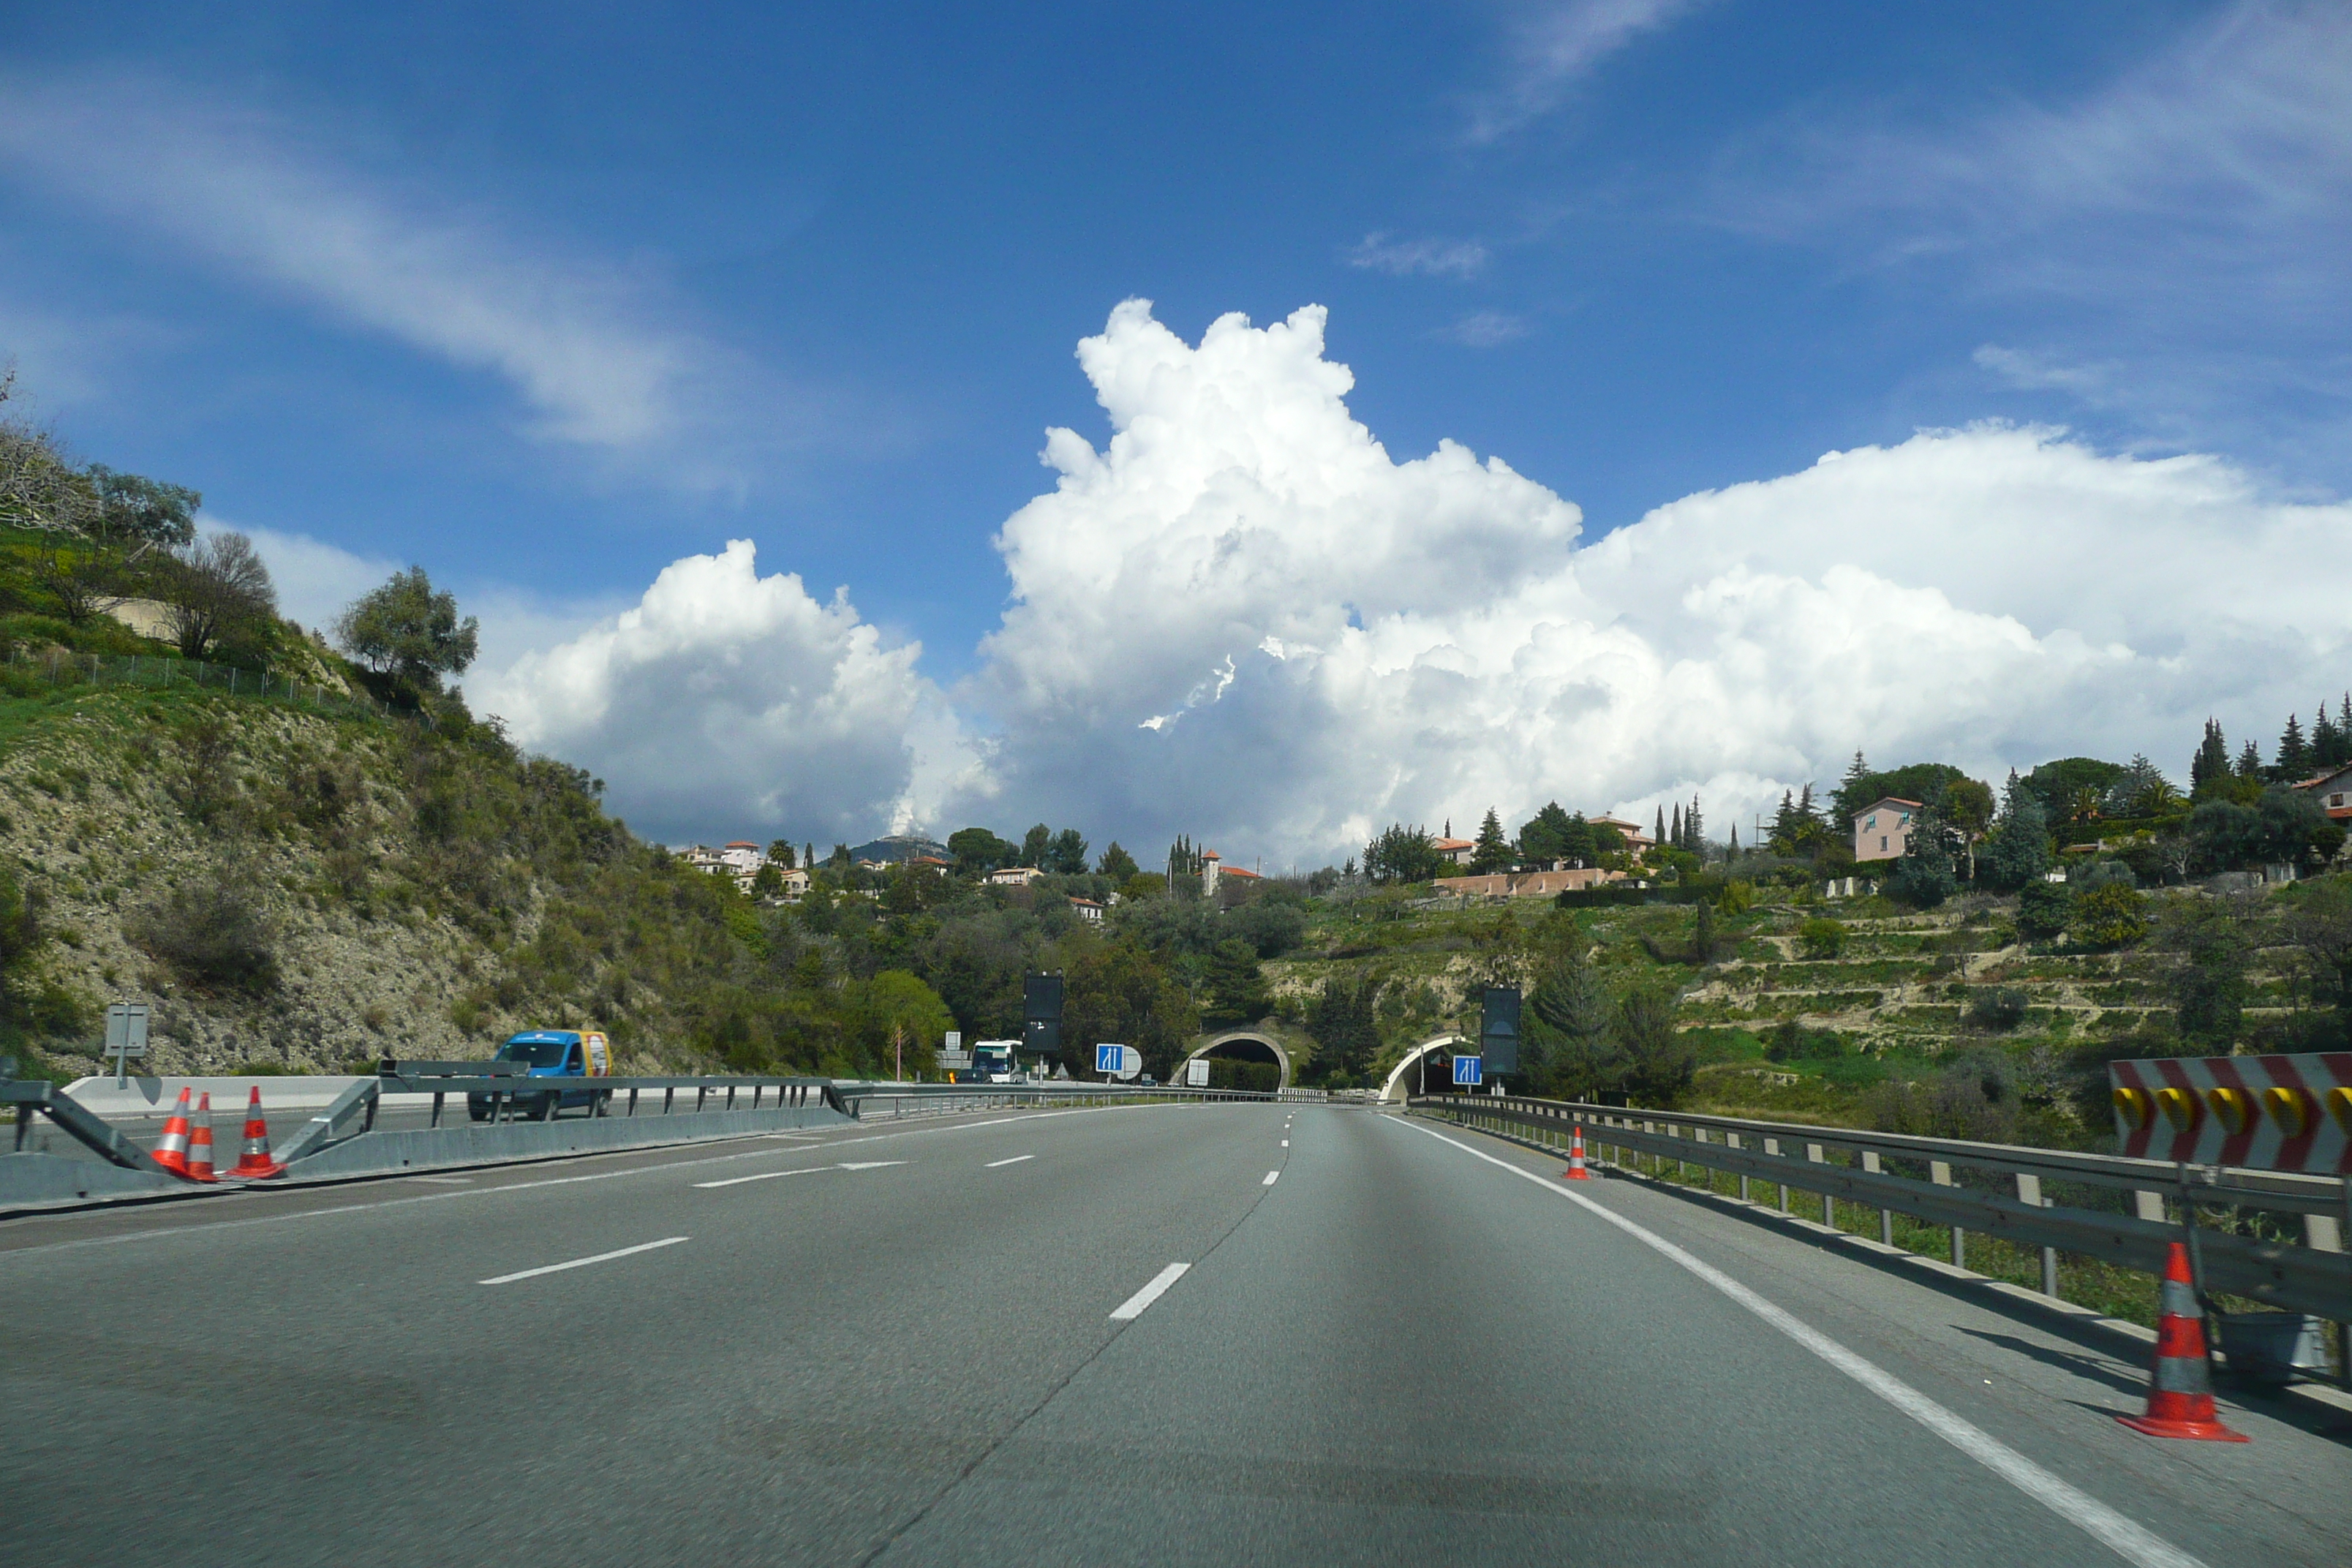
point(1484, 330)
point(2188, 219)
point(1555, 46)
point(2036, 372)
point(1429, 257)
point(593, 350)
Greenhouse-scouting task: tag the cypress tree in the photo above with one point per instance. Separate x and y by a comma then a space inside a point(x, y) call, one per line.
point(2212, 759)
point(1661, 833)
point(2250, 762)
point(1732, 852)
point(1676, 830)
point(1693, 830)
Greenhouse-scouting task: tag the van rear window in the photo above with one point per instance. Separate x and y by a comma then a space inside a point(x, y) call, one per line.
point(536, 1053)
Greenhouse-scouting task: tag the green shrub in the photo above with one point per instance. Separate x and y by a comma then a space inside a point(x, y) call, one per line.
point(2044, 909)
point(1997, 1007)
point(1822, 937)
point(2109, 915)
point(214, 935)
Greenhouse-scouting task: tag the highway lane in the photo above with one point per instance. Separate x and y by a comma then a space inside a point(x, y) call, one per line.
point(1394, 1351)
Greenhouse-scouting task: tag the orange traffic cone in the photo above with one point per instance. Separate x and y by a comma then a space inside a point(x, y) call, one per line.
point(255, 1164)
point(2180, 1395)
point(200, 1144)
point(172, 1149)
point(1576, 1171)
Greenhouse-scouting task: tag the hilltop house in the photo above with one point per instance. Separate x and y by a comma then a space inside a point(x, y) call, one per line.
point(2333, 791)
point(1882, 830)
point(1637, 839)
point(1015, 876)
point(1214, 870)
point(1455, 851)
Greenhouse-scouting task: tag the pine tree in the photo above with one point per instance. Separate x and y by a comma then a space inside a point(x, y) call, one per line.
point(2250, 762)
point(1854, 791)
point(2326, 739)
point(1493, 851)
point(2212, 759)
point(1693, 831)
point(2331, 738)
point(2293, 753)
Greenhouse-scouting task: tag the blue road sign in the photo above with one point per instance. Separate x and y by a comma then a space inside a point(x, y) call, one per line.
point(1465, 1071)
point(1107, 1058)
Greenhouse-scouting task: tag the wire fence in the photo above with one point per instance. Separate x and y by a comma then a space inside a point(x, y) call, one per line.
point(59, 667)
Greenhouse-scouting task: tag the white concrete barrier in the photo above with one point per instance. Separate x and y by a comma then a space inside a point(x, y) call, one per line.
point(156, 1096)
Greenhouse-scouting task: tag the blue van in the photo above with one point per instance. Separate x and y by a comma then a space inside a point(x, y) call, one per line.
point(552, 1053)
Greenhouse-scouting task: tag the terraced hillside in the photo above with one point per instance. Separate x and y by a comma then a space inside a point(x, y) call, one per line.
point(1792, 1016)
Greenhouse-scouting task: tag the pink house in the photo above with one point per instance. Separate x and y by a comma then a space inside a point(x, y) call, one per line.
point(1882, 830)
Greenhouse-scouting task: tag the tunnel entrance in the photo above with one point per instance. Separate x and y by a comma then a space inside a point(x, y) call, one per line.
point(1245, 1060)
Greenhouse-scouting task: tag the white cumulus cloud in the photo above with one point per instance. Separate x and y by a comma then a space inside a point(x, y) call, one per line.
point(1244, 619)
point(724, 701)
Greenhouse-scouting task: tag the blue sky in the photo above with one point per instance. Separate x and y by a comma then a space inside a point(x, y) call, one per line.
point(549, 306)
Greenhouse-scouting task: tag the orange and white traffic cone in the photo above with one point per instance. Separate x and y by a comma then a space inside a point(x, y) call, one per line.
point(172, 1149)
point(200, 1144)
point(255, 1164)
point(1576, 1171)
point(2181, 1394)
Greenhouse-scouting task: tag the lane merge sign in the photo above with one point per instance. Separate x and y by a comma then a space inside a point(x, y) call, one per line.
point(1118, 1062)
point(1466, 1072)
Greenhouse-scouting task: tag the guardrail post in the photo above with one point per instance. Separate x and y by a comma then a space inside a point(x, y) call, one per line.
point(633, 1100)
point(2148, 1204)
point(1829, 1204)
point(2028, 1191)
point(1773, 1147)
point(1885, 1217)
point(1940, 1172)
point(1732, 1141)
point(2322, 1232)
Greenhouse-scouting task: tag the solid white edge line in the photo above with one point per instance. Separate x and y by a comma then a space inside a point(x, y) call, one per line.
point(764, 1176)
point(1270, 1175)
point(2125, 1536)
point(1126, 1311)
point(1015, 1161)
point(582, 1262)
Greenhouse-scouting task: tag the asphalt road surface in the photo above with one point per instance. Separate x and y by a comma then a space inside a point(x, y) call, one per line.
point(1176, 1334)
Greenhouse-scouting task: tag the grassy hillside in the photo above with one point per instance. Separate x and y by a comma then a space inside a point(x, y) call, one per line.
point(1857, 1013)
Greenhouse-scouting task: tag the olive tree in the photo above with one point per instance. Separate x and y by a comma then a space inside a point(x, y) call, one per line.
point(408, 632)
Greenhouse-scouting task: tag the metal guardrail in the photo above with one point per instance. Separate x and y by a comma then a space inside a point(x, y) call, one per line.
point(2315, 1278)
point(511, 1091)
point(38, 1097)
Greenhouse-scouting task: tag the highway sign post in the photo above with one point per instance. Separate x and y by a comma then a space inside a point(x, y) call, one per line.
point(126, 1037)
point(1466, 1072)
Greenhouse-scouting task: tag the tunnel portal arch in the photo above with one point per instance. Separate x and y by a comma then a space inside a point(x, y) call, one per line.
point(1244, 1037)
point(1403, 1081)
